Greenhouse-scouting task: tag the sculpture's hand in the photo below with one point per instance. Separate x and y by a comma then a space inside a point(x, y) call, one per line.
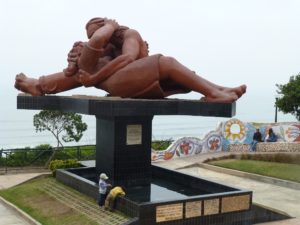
point(85, 78)
point(73, 57)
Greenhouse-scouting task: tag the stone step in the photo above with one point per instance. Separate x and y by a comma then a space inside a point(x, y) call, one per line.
point(86, 206)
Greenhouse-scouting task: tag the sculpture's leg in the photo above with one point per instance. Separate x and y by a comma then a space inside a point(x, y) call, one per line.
point(170, 68)
point(58, 82)
point(28, 85)
point(49, 84)
point(240, 90)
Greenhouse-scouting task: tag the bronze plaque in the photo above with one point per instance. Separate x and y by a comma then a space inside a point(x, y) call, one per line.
point(211, 206)
point(169, 212)
point(193, 209)
point(235, 203)
point(134, 134)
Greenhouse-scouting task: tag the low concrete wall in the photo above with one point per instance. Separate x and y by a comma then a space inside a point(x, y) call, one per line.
point(267, 147)
point(278, 147)
point(239, 148)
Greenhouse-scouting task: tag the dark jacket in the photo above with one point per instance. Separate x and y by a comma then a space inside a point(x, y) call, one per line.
point(272, 138)
point(257, 136)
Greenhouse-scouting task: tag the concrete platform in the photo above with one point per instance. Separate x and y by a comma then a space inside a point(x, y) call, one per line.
point(273, 196)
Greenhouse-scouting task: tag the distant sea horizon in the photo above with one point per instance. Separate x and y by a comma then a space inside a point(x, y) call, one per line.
point(17, 130)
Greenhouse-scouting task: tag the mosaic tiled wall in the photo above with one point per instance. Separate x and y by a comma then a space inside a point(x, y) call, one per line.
point(188, 146)
point(230, 132)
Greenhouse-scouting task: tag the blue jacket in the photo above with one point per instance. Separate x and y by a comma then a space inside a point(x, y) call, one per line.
point(272, 138)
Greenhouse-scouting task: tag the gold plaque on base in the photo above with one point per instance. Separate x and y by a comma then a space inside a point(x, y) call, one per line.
point(169, 212)
point(193, 209)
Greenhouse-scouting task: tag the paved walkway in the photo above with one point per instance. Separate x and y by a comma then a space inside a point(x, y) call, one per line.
point(10, 217)
point(280, 198)
point(273, 196)
point(10, 180)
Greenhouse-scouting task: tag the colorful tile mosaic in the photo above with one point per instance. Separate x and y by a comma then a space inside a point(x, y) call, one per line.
point(235, 136)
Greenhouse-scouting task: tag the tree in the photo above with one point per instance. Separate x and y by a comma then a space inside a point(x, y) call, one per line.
point(290, 100)
point(63, 125)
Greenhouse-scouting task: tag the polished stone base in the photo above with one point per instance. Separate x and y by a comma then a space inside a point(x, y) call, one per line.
point(171, 198)
point(124, 128)
point(153, 195)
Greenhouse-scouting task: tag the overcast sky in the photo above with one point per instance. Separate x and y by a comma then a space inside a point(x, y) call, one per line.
point(229, 42)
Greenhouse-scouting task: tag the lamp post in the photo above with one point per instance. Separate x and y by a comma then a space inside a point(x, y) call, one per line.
point(276, 109)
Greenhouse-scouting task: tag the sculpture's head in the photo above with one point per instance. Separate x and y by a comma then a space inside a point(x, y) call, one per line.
point(93, 25)
point(145, 49)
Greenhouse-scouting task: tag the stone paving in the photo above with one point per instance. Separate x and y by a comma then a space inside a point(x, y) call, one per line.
point(9, 217)
point(82, 205)
point(280, 198)
point(10, 180)
point(273, 196)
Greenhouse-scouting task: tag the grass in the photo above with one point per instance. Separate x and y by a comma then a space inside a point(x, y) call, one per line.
point(47, 210)
point(272, 169)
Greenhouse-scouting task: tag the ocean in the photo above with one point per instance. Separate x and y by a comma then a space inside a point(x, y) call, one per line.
point(17, 130)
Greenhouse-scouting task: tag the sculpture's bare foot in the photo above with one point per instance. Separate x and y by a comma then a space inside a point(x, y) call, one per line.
point(28, 85)
point(239, 91)
point(70, 70)
point(221, 97)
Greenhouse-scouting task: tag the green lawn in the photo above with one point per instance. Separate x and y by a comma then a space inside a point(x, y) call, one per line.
point(47, 210)
point(272, 169)
point(52, 203)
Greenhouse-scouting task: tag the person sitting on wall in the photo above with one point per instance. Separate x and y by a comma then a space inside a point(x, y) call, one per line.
point(110, 199)
point(271, 137)
point(256, 138)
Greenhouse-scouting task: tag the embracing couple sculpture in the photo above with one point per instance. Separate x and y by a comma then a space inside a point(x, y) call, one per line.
point(115, 59)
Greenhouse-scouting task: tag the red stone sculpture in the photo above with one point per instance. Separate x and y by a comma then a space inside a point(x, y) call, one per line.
point(115, 59)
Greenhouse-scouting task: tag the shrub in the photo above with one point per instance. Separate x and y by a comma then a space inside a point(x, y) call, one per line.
point(161, 144)
point(43, 147)
point(277, 157)
point(63, 164)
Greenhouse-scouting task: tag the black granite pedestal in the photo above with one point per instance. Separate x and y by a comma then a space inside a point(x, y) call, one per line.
point(124, 149)
point(153, 195)
point(124, 128)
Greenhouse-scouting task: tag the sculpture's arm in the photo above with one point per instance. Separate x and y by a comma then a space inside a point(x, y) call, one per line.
point(89, 80)
point(130, 52)
point(101, 36)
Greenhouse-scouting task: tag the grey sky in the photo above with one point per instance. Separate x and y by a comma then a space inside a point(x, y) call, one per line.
point(230, 42)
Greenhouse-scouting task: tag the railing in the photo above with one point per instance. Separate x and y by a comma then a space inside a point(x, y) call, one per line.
point(38, 157)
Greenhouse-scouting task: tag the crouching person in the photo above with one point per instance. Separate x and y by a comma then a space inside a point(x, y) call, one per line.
point(110, 199)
